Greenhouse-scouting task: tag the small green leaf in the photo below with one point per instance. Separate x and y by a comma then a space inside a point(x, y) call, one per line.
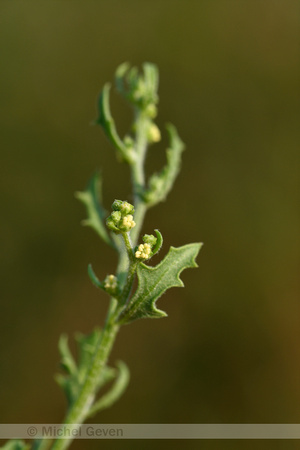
point(67, 360)
point(107, 122)
point(117, 389)
point(160, 184)
point(15, 445)
point(151, 81)
point(94, 279)
point(92, 199)
point(154, 281)
point(72, 382)
point(159, 242)
point(120, 75)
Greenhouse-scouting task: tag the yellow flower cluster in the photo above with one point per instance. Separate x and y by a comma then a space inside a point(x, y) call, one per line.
point(128, 222)
point(110, 282)
point(143, 251)
point(154, 133)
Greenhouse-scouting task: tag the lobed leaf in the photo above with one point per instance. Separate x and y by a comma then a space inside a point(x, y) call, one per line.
point(92, 199)
point(154, 281)
point(76, 373)
point(160, 184)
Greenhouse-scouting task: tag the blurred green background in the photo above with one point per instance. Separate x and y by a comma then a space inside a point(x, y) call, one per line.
point(229, 81)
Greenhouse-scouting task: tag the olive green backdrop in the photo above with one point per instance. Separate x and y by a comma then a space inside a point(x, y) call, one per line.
point(229, 81)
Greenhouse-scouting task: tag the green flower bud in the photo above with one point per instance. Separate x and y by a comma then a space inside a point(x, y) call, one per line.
point(123, 206)
point(116, 205)
point(111, 225)
point(150, 239)
point(151, 111)
point(116, 217)
point(120, 219)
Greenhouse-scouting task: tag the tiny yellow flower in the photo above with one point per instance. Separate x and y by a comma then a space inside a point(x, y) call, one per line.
point(143, 251)
point(128, 222)
point(154, 133)
point(110, 282)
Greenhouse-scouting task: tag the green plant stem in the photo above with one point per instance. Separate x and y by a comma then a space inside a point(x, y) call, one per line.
point(131, 269)
point(128, 246)
point(142, 123)
point(139, 215)
point(80, 410)
point(129, 283)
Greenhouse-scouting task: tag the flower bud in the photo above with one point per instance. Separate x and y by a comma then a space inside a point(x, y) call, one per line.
point(111, 225)
point(151, 111)
point(149, 239)
point(111, 284)
point(123, 206)
point(120, 219)
point(153, 133)
point(116, 217)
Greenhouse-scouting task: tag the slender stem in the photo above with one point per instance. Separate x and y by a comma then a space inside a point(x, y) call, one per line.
point(128, 246)
point(129, 283)
point(80, 410)
point(138, 173)
point(140, 211)
point(131, 269)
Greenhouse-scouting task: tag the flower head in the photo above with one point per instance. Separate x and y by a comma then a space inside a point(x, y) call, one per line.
point(127, 223)
point(143, 252)
point(111, 284)
point(121, 219)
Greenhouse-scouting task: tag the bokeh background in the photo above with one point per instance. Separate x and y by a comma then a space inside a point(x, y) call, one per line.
point(229, 80)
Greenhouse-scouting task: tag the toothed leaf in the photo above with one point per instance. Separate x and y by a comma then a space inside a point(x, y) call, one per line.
point(161, 183)
point(154, 281)
point(92, 199)
point(107, 122)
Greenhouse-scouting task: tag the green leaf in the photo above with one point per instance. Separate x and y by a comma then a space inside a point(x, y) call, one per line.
point(76, 373)
point(159, 242)
point(151, 81)
point(87, 346)
point(107, 122)
point(67, 360)
point(154, 281)
point(110, 397)
point(160, 184)
point(15, 445)
point(120, 76)
point(94, 279)
point(92, 199)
